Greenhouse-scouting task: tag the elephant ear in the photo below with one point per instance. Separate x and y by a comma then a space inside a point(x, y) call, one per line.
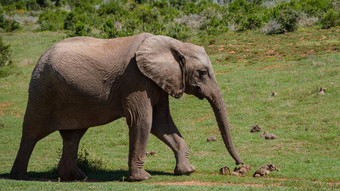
point(160, 59)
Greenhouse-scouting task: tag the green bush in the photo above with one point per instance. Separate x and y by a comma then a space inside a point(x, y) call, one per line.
point(21, 4)
point(52, 20)
point(246, 15)
point(9, 25)
point(32, 5)
point(178, 31)
point(5, 54)
point(80, 29)
point(72, 19)
point(330, 19)
point(315, 8)
point(6, 65)
point(109, 29)
point(147, 14)
point(177, 18)
point(113, 7)
point(288, 19)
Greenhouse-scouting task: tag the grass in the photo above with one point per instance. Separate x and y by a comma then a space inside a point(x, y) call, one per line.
point(307, 124)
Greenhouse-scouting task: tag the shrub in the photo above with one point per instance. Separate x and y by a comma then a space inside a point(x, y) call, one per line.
point(304, 20)
point(109, 28)
point(331, 19)
point(112, 7)
point(245, 15)
point(9, 24)
point(52, 20)
point(147, 14)
point(288, 19)
point(72, 19)
point(193, 21)
point(44, 3)
point(315, 8)
point(89, 163)
point(178, 31)
point(85, 161)
point(5, 54)
point(272, 27)
point(80, 29)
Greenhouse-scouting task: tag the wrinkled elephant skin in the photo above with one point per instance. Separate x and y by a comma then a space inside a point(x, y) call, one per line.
point(83, 82)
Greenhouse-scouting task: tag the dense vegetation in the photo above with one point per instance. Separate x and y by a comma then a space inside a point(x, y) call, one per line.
point(176, 18)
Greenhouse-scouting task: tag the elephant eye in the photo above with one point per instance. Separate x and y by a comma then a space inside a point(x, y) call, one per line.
point(202, 73)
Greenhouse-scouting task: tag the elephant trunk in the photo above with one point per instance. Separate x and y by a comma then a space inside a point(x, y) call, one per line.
point(217, 103)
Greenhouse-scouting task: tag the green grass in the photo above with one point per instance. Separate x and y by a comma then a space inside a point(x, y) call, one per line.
point(307, 124)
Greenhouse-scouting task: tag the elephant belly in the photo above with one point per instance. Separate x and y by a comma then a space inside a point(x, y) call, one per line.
point(84, 116)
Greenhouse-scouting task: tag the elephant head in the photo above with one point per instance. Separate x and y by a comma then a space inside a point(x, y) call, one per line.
point(179, 67)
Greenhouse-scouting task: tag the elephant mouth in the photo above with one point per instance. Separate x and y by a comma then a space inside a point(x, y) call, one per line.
point(198, 92)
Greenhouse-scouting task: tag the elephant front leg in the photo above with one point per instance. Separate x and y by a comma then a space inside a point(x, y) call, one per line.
point(164, 128)
point(139, 131)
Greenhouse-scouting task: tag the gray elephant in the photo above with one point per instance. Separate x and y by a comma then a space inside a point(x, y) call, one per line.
point(83, 82)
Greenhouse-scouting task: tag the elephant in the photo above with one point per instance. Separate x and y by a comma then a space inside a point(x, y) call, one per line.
point(82, 82)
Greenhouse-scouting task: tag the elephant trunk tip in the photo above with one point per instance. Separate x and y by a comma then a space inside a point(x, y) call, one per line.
point(239, 162)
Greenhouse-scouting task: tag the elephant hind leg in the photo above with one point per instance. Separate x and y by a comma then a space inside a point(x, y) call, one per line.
point(68, 169)
point(32, 132)
point(19, 169)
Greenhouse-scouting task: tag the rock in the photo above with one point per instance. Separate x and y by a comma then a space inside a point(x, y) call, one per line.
point(322, 91)
point(152, 153)
point(213, 138)
point(225, 171)
point(274, 94)
point(255, 128)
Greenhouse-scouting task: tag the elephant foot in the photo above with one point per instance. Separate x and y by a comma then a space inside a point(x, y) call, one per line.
point(17, 175)
point(184, 168)
point(67, 173)
point(138, 175)
point(70, 175)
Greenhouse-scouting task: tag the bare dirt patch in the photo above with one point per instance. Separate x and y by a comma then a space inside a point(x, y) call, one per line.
point(25, 62)
point(4, 106)
point(274, 66)
point(202, 118)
